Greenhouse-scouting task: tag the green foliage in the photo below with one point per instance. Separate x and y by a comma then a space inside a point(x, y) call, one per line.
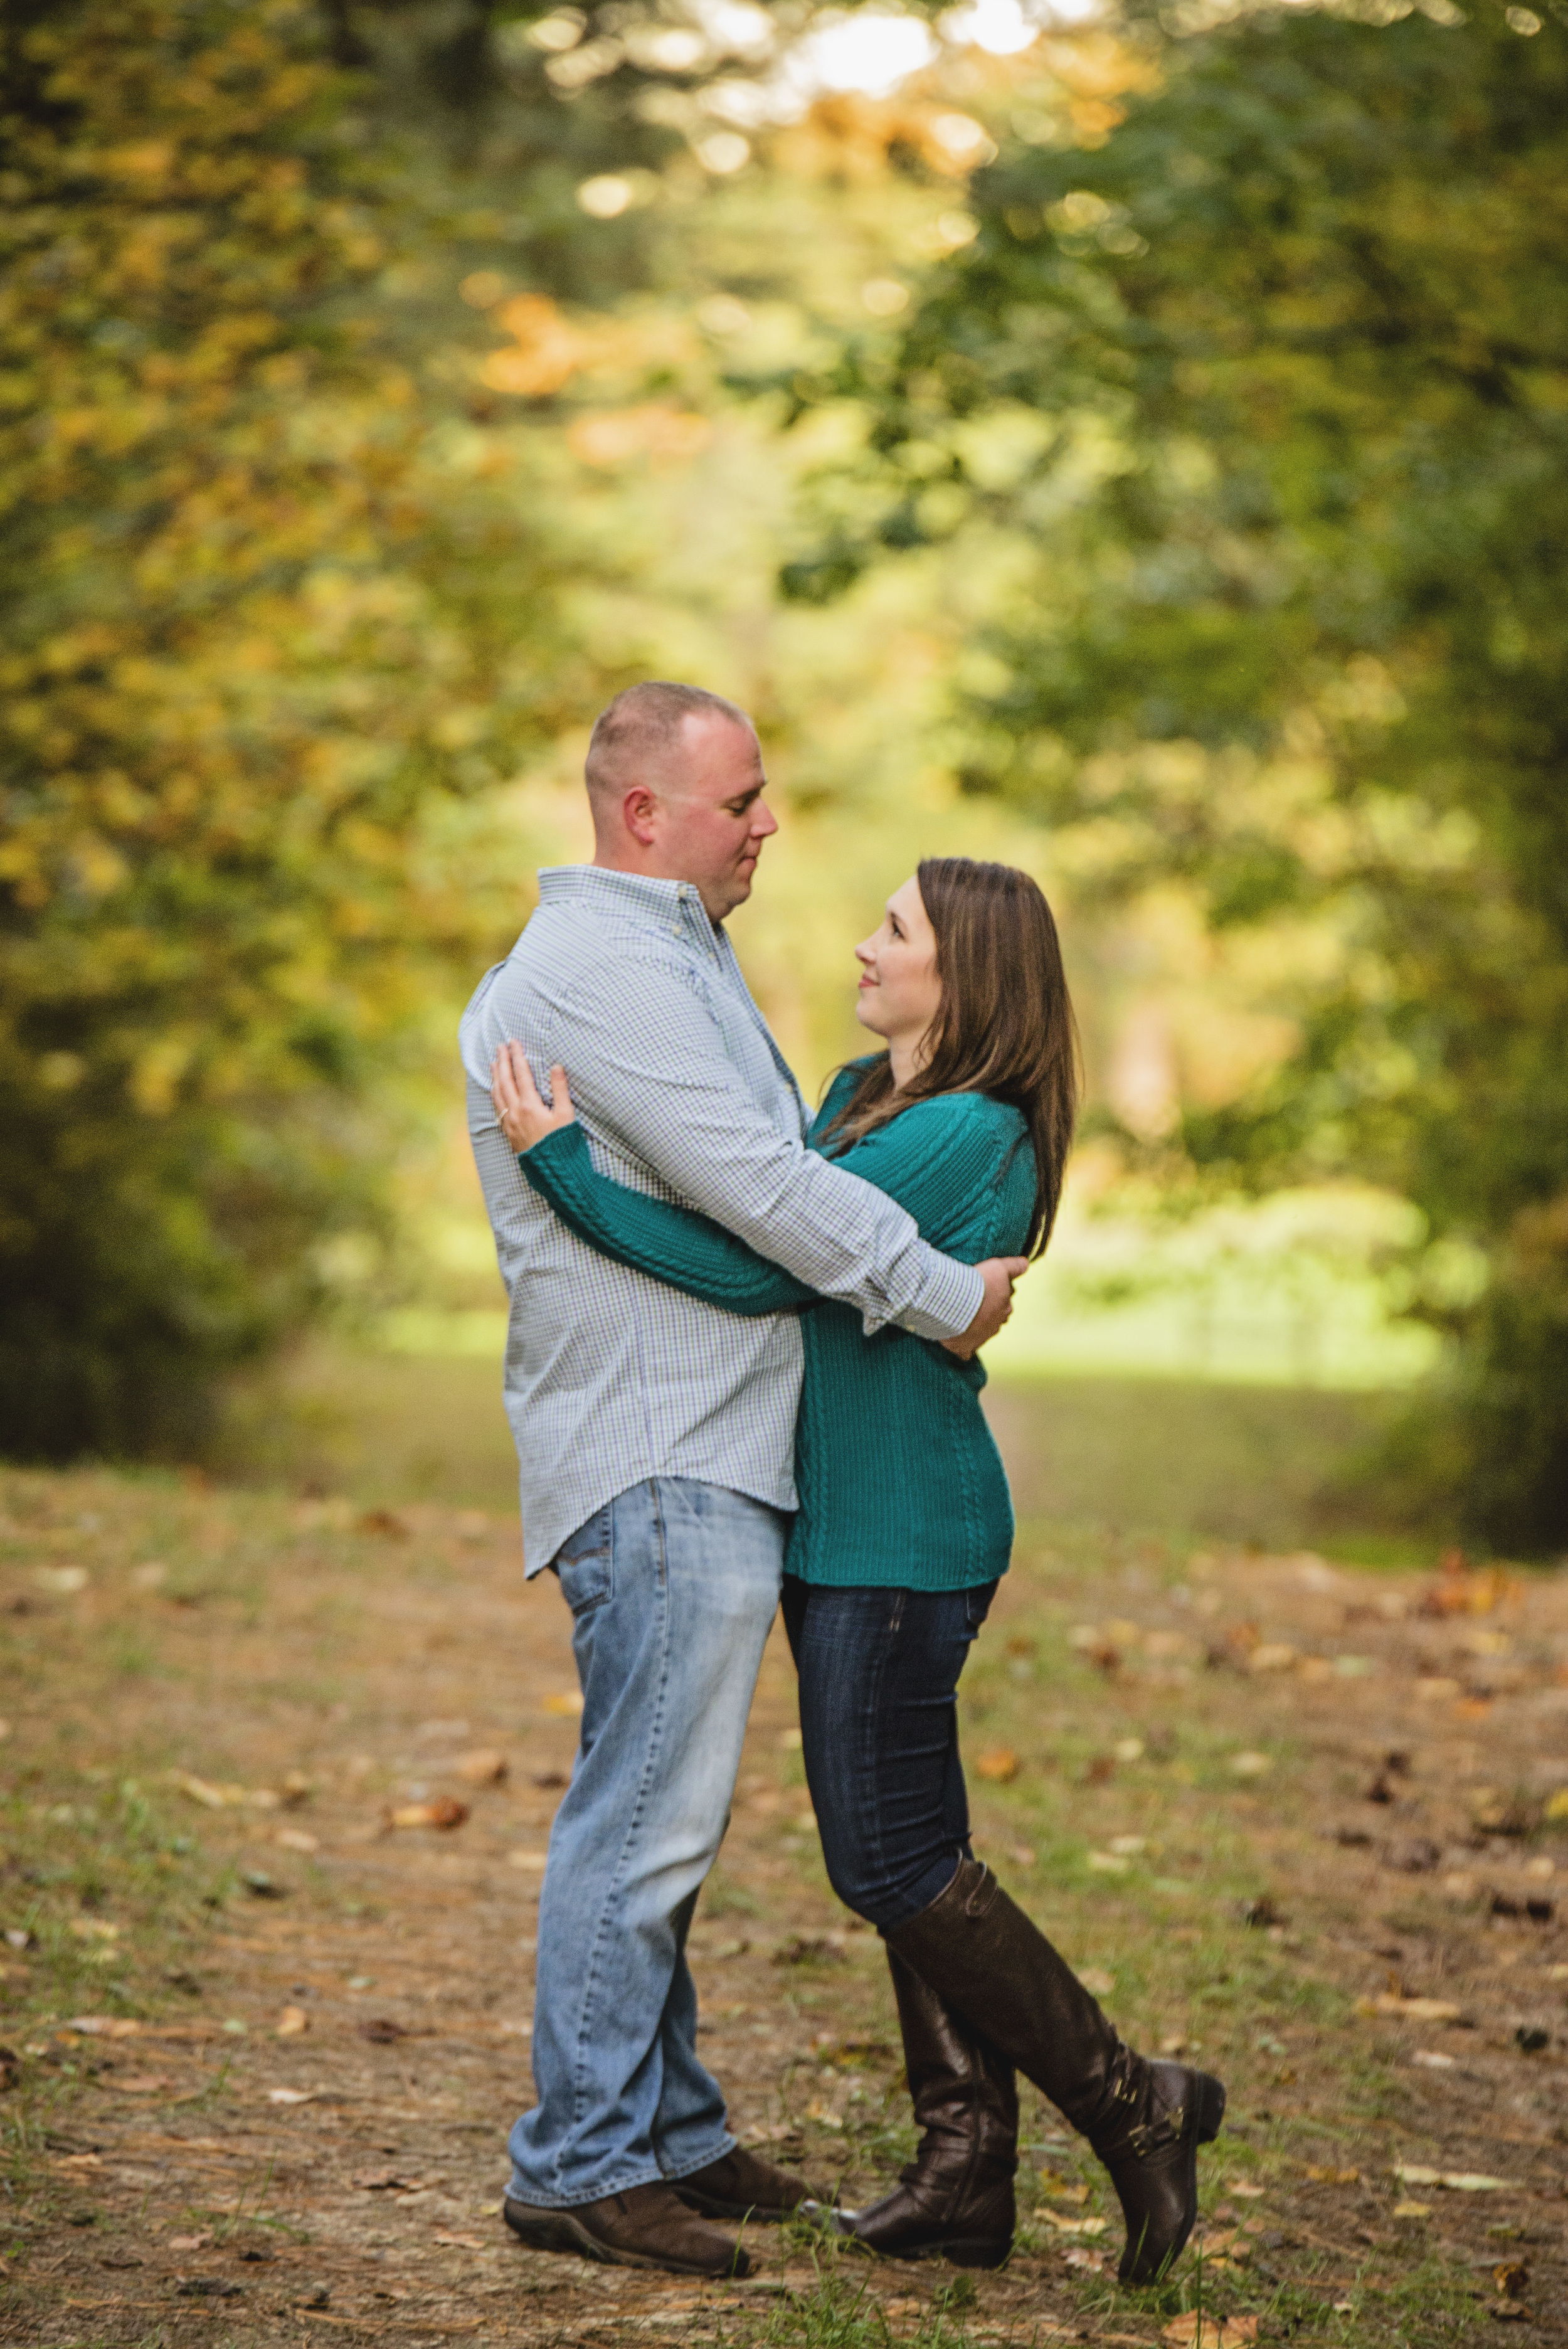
point(1297, 630)
point(256, 612)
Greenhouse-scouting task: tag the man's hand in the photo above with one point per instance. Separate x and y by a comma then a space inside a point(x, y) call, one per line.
point(998, 1273)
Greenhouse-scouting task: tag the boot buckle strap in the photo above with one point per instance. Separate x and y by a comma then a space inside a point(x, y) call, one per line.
point(1146, 2137)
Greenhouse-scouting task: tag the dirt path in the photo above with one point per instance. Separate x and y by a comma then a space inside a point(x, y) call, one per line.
point(267, 2045)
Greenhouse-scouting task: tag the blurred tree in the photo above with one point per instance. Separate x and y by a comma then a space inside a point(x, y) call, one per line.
point(261, 618)
point(1294, 329)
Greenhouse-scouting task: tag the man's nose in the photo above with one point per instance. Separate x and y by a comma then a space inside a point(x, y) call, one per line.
point(764, 822)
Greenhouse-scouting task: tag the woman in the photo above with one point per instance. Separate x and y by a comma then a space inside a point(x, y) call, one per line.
point(903, 1528)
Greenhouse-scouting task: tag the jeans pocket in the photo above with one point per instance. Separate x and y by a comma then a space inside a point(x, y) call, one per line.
point(585, 1564)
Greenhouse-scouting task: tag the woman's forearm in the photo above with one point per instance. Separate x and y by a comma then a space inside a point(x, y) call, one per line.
point(672, 1244)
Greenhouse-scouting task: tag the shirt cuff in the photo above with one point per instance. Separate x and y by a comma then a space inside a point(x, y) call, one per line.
point(950, 1297)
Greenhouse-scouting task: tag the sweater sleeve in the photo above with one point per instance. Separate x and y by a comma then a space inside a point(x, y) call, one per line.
point(672, 1244)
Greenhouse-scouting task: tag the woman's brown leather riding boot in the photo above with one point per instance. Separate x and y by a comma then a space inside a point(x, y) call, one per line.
point(985, 1959)
point(954, 2200)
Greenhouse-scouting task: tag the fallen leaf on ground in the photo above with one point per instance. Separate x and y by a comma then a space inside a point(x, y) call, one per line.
point(190, 2242)
point(1074, 2226)
point(999, 1763)
point(104, 2026)
point(382, 2032)
point(139, 2084)
point(1108, 1863)
point(520, 1857)
point(1328, 2176)
point(226, 1798)
point(1412, 2210)
point(1247, 2193)
point(297, 1839)
point(1251, 1765)
point(567, 1702)
point(292, 2022)
point(1096, 1979)
point(63, 1580)
point(1413, 2010)
point(1060, 2190)
point(464, 2242)
point(481, 1769)
point(1463, 2181)
point(1198, 2330)
point(444, 1812)
point(390, 1526)
point(290, 2095)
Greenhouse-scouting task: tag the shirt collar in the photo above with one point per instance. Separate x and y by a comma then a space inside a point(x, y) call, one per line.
point(674, 909)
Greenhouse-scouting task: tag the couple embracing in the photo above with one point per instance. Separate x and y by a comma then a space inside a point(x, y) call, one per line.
point(741, 1369)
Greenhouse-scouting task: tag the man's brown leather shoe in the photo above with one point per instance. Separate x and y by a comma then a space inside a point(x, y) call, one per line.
point(742, 2185)
point(647, 2226)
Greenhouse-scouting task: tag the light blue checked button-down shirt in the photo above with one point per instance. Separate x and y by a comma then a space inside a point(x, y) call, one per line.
point(612, 1377)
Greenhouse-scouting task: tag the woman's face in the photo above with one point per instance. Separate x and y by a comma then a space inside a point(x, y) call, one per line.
point(900, 990)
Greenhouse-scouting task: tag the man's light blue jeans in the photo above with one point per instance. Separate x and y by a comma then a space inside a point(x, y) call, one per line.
point(672, 1588)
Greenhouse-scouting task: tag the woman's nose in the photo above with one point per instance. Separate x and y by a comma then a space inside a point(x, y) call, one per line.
point(866, 951)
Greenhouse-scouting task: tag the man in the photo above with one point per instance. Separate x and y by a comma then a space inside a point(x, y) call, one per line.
point(654, 1435)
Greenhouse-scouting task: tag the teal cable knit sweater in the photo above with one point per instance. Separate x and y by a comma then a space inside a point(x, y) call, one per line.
point(899, 1482)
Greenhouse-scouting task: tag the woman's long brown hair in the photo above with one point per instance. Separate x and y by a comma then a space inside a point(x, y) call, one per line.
point(1003, 1022)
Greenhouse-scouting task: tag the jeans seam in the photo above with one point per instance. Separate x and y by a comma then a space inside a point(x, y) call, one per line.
point(884, 1651)
point(582, 2082)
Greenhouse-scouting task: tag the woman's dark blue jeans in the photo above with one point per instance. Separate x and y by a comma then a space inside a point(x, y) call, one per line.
point(879, 1723)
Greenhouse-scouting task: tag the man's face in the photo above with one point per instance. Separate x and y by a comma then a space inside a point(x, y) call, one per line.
point(709, 817)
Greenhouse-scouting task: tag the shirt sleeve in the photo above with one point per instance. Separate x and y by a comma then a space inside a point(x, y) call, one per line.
point(671, 1243)
point(648, 1068)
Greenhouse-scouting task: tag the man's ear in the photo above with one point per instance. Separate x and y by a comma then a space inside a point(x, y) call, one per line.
point(639, 812)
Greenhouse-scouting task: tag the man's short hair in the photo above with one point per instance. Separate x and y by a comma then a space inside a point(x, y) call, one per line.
point(641, 724)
